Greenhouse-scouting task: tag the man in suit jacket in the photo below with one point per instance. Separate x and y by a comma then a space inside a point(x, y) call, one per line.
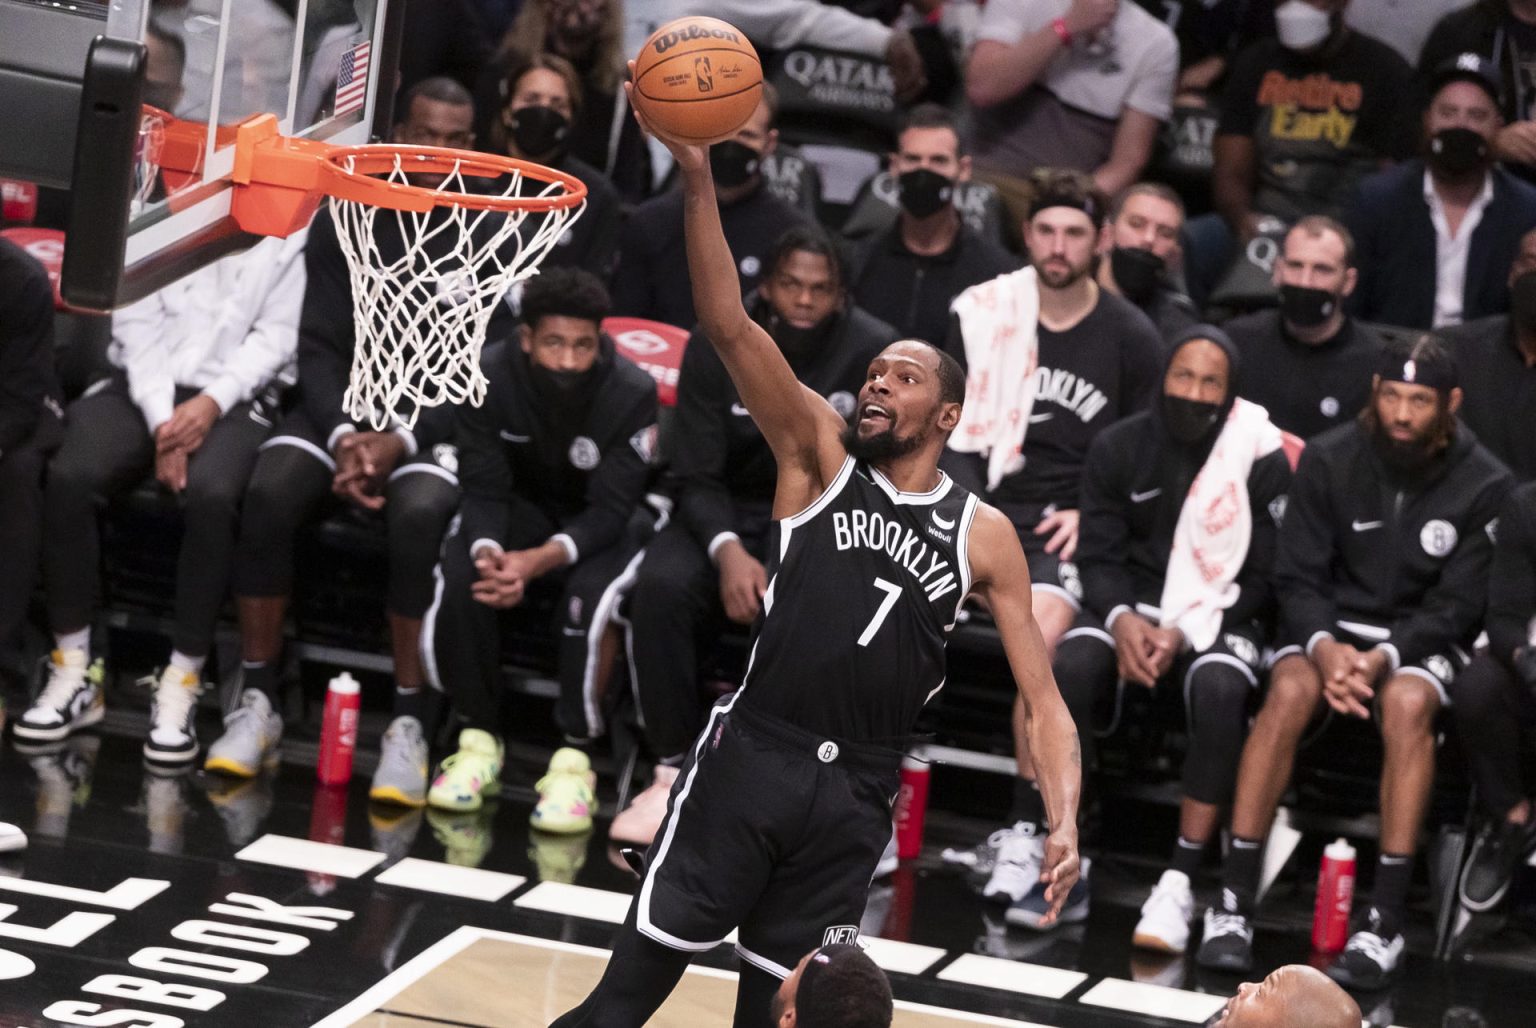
point(1435, 234)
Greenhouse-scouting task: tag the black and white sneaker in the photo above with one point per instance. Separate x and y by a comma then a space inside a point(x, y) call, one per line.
point(1496, 852)
point(1228, 941)
point(71, 700)
point(1371, 956)
point(172, 732)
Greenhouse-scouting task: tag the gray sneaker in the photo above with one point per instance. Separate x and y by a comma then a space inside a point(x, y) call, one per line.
point(401, 777)
point(250, 739)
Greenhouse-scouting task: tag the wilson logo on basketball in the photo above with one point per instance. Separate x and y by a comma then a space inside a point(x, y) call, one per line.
point(664, 43)
point(703, 74)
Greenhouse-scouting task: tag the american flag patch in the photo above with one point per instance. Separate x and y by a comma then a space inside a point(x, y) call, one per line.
point(352, 78)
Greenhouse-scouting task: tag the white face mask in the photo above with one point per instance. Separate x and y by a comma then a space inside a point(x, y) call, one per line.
point(1301, 26)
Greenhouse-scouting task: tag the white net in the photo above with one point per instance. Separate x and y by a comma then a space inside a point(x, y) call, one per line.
point(425, 285)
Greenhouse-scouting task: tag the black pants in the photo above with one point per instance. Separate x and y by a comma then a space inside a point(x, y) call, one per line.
point(461, 637)
point(674, 609)
point(107, 449)
point(1496, 719)
point(1217, 686)
point(21, 523)
point(291, 486)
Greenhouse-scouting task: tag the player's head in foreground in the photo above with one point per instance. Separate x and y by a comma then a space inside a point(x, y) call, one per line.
point(909, 404)
point(834, 986)
point(1291, 997)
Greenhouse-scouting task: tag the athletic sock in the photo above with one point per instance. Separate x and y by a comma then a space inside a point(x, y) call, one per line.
point(1241, 878)
point(80, 640)
point(261, 676)
point(1394, 873)
point(411, 702)
point(1028, 804)
point(1187, 856)
point(188, 665)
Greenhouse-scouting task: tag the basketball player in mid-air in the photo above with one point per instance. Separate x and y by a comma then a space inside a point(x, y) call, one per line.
point(783, 806)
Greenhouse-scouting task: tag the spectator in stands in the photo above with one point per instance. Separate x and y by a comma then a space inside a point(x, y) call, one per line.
point(319, 461)
point(197, 368)
point(1497, 361)
point(834, 985)
point(1210, 33)
point(1382, 581)
point(554, 465)
point(908, 275)
point(1291, 996)
point(1433, 235)
point(1176, 577)
point(1309, 364)
point(1496, 709)
point(1304, 117)
point(1052, 360)
point(543, 102)
point(442, 37)
point(1138, 250)
point(1080, 84)
point(651, 280)
point(590, 35)
point(708, 564)
point(31, 427)
point(1503, 32)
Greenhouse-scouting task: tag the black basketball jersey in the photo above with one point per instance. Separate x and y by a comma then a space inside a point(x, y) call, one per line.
point(865, 586)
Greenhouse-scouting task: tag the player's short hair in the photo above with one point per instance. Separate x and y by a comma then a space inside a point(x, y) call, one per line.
point(951, 377)
point(1066, 187)
point(561, 67)
point(842, 988)
point(1157, 189)
point(932, 116)
point(811, 239)
point(440, 88)
point(1318, 224)
point(566, 293)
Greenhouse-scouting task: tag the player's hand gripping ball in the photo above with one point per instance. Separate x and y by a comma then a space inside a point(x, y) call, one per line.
point(697, 80)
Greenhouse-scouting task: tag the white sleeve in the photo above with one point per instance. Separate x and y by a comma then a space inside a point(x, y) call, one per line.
point(780, 24)
point(272, 341)
point(1156, 75)
point(1008, 21)
point(139, 347)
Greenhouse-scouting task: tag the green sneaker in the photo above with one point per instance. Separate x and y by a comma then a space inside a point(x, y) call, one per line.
point(473, 772)
point(567, 794)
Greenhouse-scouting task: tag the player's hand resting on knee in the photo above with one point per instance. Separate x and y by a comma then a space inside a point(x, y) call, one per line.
point(501, 584)
point(171, 469)
point(1343, 686)
point(743, 580)
point(1135, 649)
point(1061, 526)
point(364, 462)
point(1060, 869)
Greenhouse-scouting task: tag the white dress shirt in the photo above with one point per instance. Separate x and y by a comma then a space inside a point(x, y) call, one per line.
point(1451, 250)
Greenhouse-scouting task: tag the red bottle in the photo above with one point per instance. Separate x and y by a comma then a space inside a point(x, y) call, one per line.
point(911, 806)
point(338, 730)
point(1335, 896)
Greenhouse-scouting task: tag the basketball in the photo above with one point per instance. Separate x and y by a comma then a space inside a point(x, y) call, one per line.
point(697, 80)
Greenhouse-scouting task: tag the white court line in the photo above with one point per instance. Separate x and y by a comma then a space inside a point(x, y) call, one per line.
point(450, 879)
point(901, 957)
point(440, 952)
point(580, 901)
point(307, 855)
point(1153, 1000)
point(1013, 976)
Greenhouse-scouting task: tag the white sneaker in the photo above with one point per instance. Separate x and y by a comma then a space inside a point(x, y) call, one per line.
point(172, 734)
point(71, 700)
point(252, 733)
point(1019, 859)
point(639, 822)
point(1165, 916)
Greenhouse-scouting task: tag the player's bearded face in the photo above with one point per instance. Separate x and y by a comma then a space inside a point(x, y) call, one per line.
point(876, 438)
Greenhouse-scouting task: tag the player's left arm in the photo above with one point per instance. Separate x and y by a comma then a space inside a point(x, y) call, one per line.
point(1000, 576)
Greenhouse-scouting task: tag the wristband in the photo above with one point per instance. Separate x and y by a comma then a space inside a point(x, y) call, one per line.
point(1062, 32)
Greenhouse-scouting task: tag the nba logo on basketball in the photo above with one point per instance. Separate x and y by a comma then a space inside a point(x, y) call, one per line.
point(841, 935)
point(704, 74)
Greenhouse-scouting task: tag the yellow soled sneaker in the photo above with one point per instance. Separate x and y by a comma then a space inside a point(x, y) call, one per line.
point(567, 794)
point(470, 774)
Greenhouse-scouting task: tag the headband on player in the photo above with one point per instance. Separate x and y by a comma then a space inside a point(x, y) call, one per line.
point(1086, 203)
point(1437, 371)
point(810, 978)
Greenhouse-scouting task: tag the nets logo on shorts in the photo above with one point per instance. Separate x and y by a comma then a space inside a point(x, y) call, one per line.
point(841, 935)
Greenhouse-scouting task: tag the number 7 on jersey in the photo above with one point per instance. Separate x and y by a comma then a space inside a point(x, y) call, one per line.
point(892, 594)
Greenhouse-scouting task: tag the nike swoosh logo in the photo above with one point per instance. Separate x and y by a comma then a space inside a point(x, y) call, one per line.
point(740, 411)
point(509, 437)
point(1035, 419)
point(946, 525)
point(1364, 526)
point(1144, 497)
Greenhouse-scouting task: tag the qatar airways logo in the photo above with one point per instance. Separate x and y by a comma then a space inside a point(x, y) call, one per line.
point(664, 43)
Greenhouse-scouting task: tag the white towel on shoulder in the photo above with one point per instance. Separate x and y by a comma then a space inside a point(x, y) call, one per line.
point(999, 321)
point(1210, 541)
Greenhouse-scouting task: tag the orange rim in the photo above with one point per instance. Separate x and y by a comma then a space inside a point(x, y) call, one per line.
point(352, 169)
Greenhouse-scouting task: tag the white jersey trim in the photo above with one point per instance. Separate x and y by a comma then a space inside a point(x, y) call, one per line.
point(826, 497)
point(933, 495)
point(963, 557)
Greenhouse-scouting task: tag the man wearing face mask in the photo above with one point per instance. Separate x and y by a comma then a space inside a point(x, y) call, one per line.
point(553, 464)
point(1497, 356)
point(1503, 32)
point(1177, 542)
point(1140, 239)
point(908, 275)
point(650, 281)
point(708, 565)
point(1382, 578)
point(1308, 363)
point(1434, 234)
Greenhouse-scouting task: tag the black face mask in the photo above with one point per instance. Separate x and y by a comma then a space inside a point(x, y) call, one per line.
point(794, 340)
point(1306, 307)
point(733, 163)
point(557, 383)
point(1458, 151)
point(538, 131)
point(1137, 272)
point(1189, 421)
point(1522, 301)
point(922, 192)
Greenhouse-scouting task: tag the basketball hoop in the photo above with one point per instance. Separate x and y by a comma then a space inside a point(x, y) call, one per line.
point(420, 314)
